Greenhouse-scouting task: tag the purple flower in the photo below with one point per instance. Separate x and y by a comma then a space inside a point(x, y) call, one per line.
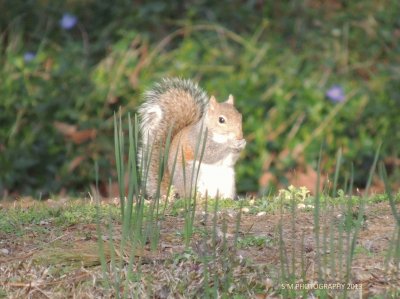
point(29, 56)
point(335, 94)
point(68, 21)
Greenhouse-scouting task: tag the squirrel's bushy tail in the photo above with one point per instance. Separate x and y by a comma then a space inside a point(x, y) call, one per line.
point(172, 103)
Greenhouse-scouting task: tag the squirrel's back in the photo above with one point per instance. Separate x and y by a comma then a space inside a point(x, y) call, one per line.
point(170, 104)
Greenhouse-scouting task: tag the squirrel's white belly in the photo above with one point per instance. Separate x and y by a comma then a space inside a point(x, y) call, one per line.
point(216, 179)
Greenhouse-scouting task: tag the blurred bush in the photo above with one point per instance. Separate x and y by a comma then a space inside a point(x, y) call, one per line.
point(61, 86)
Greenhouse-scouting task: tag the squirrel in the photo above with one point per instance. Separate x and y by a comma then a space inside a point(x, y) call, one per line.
point(180, 109)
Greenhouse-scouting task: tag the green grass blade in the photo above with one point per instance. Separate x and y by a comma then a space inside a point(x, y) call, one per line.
point(237, 224)
point(119, 163)
point(100, 243)
point(360, 216)
point(316, 218)
point(395, 240)
point(337, 170)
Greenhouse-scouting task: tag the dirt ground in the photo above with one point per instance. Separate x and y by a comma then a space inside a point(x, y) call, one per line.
point(49, 261)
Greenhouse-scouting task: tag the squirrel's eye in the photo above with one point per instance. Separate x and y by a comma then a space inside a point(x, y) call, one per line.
point(221, 120)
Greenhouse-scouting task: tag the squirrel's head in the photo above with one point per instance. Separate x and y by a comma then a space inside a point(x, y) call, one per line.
point(224, 121)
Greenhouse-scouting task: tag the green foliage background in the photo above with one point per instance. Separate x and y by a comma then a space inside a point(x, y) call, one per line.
point(277, 57)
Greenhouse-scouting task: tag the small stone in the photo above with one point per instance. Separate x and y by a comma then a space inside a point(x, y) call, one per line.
point(231, 214)
point(4, 251)
point(301, 206)
point(269, 283)
point(259, 214)
point(245, 210)
point(44, 222)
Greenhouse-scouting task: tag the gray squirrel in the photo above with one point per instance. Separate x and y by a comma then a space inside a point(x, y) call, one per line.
point(181, 108)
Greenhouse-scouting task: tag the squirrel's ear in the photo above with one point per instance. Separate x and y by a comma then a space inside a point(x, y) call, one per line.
point(213, 103)
point(230, 100)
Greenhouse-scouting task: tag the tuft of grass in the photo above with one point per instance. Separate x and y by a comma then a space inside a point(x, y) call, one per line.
point(15, 220)
point(253, 241)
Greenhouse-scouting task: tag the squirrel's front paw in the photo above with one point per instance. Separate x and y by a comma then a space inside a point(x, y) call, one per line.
point(240, 144)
